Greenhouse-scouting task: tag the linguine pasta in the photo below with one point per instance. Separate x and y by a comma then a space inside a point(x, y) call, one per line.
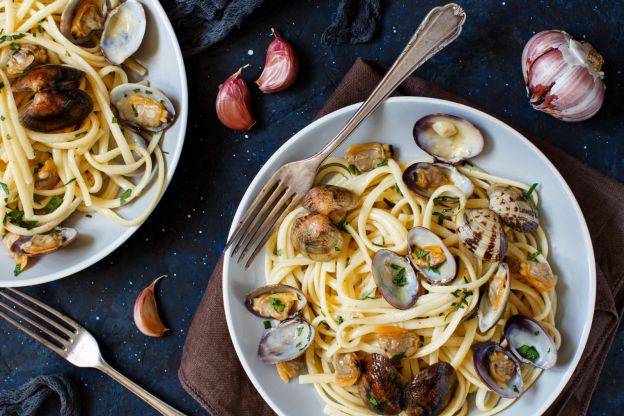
point(346, 308)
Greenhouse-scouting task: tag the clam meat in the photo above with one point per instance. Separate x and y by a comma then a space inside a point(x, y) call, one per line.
point(494, 300)
point(275, 302)
point(347, 368)
point(28, 56)
point(329, 199)
point(430, 256)
point(123, 32)
point(481, 231)
point(395, 278)
point(538, 274)
point(529, 342)
point(367, 156)
point(316, 237)
point(40, 244)
point(287, 370)
point(424, 178)
point(82, 21)
point(431, 390)
point(380, 386)
point(498, 369)
point(512, 207)
point(142, 108)
point(397, 342)
point(448, 138)
point(286, 342)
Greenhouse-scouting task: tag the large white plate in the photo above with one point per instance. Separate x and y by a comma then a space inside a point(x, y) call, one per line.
point(506, 153)
point(98, 237)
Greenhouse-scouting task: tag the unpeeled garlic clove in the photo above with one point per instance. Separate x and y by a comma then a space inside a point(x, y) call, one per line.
point(234, 103)
point(146, 315)
point(280, 67)
point(563, 76)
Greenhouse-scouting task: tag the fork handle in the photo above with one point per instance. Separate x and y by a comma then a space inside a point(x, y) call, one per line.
point(160, 406)
point(440, 27)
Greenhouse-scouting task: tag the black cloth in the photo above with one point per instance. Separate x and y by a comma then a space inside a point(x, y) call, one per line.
point(202, 23)
point(28, 398)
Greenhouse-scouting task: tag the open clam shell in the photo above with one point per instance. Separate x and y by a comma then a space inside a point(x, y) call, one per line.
point(481, 232)
point(494, 299)
point(329, 199)
point(123, 32)
point(40, 244)
point(275, 301)
point(511, 205)
point(83, 20)
point(285, 342)
point(142, 108)
point(530, 342)
point(396, 279)
point(426, 250)
point(448, 138)
point(498, 369)
point(424, 178)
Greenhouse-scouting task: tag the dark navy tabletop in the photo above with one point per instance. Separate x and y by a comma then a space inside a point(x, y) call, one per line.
point(186, 233)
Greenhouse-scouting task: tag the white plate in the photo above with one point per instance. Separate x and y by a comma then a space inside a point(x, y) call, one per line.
point(98, 236)
point(506, 153)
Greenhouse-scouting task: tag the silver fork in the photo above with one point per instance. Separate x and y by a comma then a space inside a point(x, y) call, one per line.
point(286, 188)
point(68, 339)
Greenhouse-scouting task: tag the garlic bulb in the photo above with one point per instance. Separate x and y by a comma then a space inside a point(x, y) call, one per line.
point(146, 315)
point(563, 76)
point(280, 68)
point(234, 103)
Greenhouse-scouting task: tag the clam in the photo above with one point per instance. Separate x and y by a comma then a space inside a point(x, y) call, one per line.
point(316, 237)
point(82, 21)
point(424, 178)
point(380, 386)
point(431, 390)
point(286, 342)
point(287, 370)
point(123, 32)
point(530, 342)
point(142, 108)
point(395, 278)
point(347, 367)
point(397, 342)
point(538, 274)
point(494, 300)
point(481, 231)
point(329, 199)
point(40, 244)
point(448, 138)
point(25, 58)
point(511, 205)
point(45, 172)
point(430, 256)
point(49, 111)
point(48, 77)
point(498, 369)
point(368, 156)
point(275, 301)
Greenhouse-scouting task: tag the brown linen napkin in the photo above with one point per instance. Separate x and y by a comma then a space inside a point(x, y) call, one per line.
point(210, 370)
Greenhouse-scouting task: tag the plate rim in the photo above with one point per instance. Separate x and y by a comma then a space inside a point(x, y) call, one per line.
point(245, 200)
point(162, 19)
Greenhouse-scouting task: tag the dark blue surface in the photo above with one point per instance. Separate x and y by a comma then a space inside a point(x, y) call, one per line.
point(185, 235)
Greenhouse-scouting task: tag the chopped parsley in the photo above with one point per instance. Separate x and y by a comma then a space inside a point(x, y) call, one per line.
point(529, 352)
point(400, 280)
point(393, 376)
point(5, 188)
point(148, 92)
point(80, 134)
point(367, 294)
point(70, 181)
point(383, 242)
point(134, 110)
point(529, 198)
point(422, 253)
point(17, 270)
point(342, 224)
point(534, 255)
point(337, 248)
point(396, 188)
point(38, 168)
point(67, 53)
point(373, 401)
point(124, 196)
point(515, 388)
point(339, 319)
point(8, 136)
point(398, 356)
point(277, 305)
point(299, 330)
point(441, 217)
point(267, 324)
point(89, 216)
point(462, 298)
point(2, 117)
point(137, 90)
point(444, 198)
point(2, 86)
point(15, 47)
point(40, 29)
point(536, 333)
point(382, 163)
point(389, 203)
point(114, 120)
point(277, 252)
point(54, 203)
point(395, 266)
point(353, 170)
point(14, 36)
point(16, 217)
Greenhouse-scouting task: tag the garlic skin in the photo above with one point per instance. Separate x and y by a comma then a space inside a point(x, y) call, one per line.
point(280, 67)
point(146, 315)
point(234, 103)
point(563, 76)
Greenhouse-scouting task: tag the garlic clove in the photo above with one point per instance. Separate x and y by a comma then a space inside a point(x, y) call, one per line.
point(280, 68)
point(563, 76)
point(146, 315)
point(234, 103)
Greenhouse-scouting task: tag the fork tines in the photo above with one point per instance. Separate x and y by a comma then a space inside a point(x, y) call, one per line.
point(48, 326)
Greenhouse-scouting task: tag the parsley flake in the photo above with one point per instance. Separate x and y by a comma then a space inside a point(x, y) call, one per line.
point(267, 324)
point(353, 170)
point(529, 352)
point(534, 255)
point(124, 196)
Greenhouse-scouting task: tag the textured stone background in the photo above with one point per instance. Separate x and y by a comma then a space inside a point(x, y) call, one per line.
point(185, 235)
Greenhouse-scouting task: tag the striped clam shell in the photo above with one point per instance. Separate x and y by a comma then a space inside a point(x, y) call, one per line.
point(481, 232)
point(511, 205)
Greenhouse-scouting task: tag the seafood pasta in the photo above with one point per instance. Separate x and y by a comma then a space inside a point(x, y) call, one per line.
point(76, 135)
point(411, 288)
